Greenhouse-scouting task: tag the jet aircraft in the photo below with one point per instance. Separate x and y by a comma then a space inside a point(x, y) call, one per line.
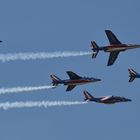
point(73, 81)
point(105, 99)
point(133, 74)
point(114, 48)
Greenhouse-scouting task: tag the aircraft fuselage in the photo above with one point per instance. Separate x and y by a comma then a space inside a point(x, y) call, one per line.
point(79, 81)
point(118, 47)
point(137, 76)
point(73, 81)
point(112, 100)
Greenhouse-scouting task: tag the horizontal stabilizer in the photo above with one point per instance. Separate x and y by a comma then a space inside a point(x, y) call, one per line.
point(133, 74)
point(55, 80)
point(95, 49)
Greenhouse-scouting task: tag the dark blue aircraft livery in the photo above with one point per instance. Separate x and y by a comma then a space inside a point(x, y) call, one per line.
point(105, 99)
point(114, 48)
point(133, 74)
point(73, 81)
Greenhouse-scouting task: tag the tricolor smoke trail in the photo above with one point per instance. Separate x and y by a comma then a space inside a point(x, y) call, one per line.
point(45, 104)
point(24, 89)
point(40, 55)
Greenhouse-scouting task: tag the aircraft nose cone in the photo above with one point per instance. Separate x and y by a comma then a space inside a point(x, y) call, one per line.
point(129, 100)
point(96, 80)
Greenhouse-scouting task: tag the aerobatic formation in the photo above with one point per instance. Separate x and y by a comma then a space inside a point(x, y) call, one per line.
point(114, 48)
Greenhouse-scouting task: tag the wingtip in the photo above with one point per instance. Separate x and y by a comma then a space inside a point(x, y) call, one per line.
point(107, 30)
point(68, 71)
point(68, 91)
point(51, 74)
point(109, 64)
point(84, 91)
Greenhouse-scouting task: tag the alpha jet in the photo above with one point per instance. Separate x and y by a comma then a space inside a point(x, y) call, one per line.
point(73, 81)
point(133, 74)
point(105, 99)
point(114, 48)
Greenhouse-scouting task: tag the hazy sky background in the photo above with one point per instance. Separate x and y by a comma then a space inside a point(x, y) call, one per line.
point(40, 25)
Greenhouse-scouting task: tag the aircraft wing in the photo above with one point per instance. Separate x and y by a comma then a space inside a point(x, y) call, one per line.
point(131, 79)
point(106, 98)
point(113, 56)
point(112, 38)
point(73, 76)
point(70, 87)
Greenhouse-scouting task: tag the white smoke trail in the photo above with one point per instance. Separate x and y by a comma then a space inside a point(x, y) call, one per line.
point(24, 89)
point(45, 104)
point(39, 55)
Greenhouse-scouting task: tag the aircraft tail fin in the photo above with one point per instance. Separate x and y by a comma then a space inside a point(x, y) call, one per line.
point(132, 74)
point(95, 49)
point(55, 80)
point(88, 96)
